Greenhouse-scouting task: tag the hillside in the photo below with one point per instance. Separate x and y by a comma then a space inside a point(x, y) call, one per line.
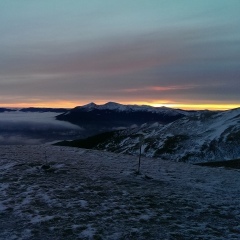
point(86, 194)
point(199, 137)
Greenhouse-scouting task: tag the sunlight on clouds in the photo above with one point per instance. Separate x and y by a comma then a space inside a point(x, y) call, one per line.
point(159, 88)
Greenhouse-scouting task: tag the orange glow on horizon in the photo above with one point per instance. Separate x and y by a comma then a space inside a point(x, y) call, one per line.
point(200, 106)
point(167, 103)
point(191, 106)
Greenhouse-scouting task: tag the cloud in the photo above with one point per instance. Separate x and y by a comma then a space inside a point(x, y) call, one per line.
point(33, 121)
point(18, 140)
point(170, 52)
point(158, 88)
point(34, 128)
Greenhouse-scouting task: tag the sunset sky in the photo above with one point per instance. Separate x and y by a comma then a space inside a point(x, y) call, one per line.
point(65, 53)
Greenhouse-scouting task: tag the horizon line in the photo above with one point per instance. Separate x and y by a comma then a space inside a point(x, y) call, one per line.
point(70, 105)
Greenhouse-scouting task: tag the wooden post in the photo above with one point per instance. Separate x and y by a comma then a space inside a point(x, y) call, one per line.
point(141, 141)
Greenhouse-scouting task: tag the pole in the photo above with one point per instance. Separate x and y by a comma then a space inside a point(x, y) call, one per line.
point(139, 160)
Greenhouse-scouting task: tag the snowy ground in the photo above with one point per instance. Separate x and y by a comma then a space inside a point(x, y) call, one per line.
point(97, 195)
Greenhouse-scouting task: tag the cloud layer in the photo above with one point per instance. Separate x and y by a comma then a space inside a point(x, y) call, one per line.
point(126, 51)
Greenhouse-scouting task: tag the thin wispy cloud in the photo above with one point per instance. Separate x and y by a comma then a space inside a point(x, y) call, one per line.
point(158, 88)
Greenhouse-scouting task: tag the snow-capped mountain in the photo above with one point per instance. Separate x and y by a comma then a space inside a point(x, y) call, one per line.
point(131, 108)
point(200, 137)
point(101, 118)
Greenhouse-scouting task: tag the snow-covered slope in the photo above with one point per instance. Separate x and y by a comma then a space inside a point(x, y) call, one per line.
point(205, 136)
point(88, 194)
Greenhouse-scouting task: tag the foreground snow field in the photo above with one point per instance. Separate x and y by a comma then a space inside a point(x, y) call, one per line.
point(88, 194)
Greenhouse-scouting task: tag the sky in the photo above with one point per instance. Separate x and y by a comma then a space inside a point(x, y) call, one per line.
point(66, 53)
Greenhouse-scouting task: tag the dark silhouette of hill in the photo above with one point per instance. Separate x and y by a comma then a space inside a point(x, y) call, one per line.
point(33, 109)
point(6, 110)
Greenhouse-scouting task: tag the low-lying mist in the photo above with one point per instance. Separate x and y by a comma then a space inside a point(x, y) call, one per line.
point(35, 128)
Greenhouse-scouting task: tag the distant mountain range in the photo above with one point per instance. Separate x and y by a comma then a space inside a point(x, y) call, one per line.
point(6, 110)
point(33, 109)
point(42, 110)
point(113, 116)
point(171, 134)
point(50, 124)
point(196, 137)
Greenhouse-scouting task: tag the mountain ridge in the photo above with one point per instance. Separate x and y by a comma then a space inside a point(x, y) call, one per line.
point(130, 107)
point(200, 137)
point(110, 116)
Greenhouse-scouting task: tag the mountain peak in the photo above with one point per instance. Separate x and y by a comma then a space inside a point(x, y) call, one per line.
point(112, 106)
point(109, 104)
point(90, 105)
